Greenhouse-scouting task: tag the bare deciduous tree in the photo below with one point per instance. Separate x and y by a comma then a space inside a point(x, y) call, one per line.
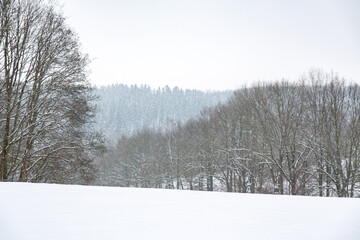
point(299, 138)
point(44, 96)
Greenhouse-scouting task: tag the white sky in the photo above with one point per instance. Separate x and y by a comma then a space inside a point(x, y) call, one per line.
point(215, 45)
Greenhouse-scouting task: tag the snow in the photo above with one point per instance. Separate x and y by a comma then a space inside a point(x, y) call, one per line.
point(49, 211)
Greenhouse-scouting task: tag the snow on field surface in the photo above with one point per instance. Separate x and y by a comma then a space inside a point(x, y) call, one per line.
point(51, 212)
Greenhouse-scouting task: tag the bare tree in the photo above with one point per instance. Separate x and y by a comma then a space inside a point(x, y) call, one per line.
point(334, 139)
point(299, 138)
point(45, 96)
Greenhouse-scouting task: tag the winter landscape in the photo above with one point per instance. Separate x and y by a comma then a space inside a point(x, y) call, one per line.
point(179, 119)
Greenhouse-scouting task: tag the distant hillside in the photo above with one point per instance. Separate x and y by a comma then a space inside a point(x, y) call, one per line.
point(122, 109)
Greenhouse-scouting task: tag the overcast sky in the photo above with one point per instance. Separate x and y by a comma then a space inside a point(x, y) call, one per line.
point(215, 44)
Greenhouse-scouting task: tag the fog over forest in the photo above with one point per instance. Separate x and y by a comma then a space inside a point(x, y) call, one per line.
point(123, 110)
point(298, 136)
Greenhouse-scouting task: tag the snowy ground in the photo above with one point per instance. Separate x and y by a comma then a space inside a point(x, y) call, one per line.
point(51, 212)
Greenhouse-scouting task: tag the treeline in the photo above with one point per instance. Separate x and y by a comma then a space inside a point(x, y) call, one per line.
point(123, 110)
point(44, 98)
point(298, 138)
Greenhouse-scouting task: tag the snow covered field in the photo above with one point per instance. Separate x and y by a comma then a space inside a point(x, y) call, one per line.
point(51, 212)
